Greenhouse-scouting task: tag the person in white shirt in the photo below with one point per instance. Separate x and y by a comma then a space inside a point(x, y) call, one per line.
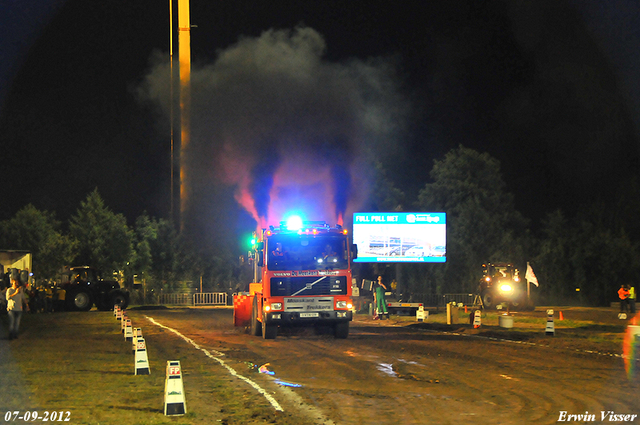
point(15, 300)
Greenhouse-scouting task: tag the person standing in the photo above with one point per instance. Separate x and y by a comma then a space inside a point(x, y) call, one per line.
point(632, 298)
point(623, 294)
point(15, 299)
point(381, 302)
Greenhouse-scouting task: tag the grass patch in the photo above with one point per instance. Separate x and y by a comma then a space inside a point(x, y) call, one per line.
point(80, 362)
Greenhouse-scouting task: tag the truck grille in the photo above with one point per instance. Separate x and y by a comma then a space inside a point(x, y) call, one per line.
point(329, 285)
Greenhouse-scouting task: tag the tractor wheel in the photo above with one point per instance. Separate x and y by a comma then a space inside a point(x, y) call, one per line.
point(256, 326)
point(81, 300)
point(341, 330)
point(488, 300)
point(118, 298)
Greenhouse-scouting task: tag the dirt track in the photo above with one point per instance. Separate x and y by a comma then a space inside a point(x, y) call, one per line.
point(390, 372)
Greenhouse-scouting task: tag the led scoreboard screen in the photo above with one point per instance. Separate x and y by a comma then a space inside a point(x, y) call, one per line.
point(392, 237)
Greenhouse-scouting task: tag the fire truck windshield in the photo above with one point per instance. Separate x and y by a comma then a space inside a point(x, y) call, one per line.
point(307, 252)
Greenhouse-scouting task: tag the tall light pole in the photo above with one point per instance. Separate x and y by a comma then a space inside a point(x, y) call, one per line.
point(184, 57)
point(184, 43)
point(172, 211)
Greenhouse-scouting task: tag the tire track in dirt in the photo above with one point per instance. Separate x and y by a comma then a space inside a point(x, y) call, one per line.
point(384, 374)
point(293, 401)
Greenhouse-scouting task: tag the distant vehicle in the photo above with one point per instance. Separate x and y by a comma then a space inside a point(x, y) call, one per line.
point(300, 288)
point(501, 284)
point(83, 287)
point(15, 264)
point(395, 305)
point(417, 251)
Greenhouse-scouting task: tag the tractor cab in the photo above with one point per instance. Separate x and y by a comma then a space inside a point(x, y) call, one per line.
point(501, 284)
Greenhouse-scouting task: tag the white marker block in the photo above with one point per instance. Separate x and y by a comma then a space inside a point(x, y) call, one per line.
point(550, 330)
point(141, 360)
point(174, 397)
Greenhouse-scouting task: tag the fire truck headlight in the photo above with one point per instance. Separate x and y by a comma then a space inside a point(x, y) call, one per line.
point(276, 306)
point(506, 288)
point(342, 304)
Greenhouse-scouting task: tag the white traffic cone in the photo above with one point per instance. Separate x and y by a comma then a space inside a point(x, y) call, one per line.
point(477, 319)
point(128, 331)
point(137, 333)
point(123, 323)
point(119, 314)
point(550, 330)
point(141, 359)
point(174, 398)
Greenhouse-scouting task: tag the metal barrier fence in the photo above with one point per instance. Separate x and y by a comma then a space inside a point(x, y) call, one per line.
point(207, 298)
point(440, 300)
point(221, 298)
point(465, 299)
point(210, 298)
point(175, 299)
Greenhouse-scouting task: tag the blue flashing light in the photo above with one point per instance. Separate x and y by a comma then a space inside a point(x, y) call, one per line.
point(294, 223)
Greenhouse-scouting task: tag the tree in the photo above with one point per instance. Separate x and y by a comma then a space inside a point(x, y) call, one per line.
point(384, 195)
point(145, 232)
point(603, 256)
point(156, 251)
point(39, 232)
point(105, 242)
point(482, 223)
point(553, 263)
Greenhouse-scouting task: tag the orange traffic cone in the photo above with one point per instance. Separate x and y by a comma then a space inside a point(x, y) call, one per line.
point(561, 316)
point(465, 309)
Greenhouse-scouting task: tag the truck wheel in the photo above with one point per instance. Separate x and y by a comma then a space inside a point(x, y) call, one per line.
point(269, 331)
point(487, 300)
point(81, 301)
point(256, 326)
point(341, 330)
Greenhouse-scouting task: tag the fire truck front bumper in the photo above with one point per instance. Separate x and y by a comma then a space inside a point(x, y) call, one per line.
point(312, 317)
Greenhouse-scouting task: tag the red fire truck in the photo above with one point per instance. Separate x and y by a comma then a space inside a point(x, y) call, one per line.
point(302, 277)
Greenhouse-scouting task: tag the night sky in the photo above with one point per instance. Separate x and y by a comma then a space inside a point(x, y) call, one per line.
point(550, 88)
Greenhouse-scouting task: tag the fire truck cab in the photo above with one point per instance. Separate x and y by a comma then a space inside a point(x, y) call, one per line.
point(302, 277)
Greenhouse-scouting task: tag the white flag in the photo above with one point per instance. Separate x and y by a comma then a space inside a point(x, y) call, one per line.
point(530, 275)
